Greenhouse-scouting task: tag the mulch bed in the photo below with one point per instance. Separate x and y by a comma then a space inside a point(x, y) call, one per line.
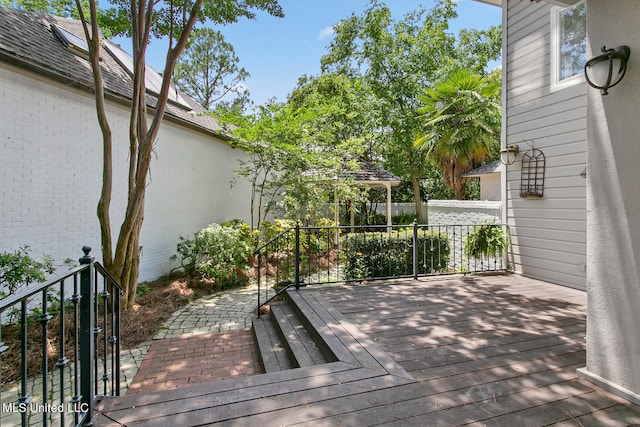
point(139, 324)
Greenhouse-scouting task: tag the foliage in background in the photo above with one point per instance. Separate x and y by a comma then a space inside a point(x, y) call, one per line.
point(208, 70)
point(489, 240)
point(216, 252)
point(18, 270)
point(363, 105)
point(396, 60)
point(462, 125)
point(376, 255)
point(64, 8)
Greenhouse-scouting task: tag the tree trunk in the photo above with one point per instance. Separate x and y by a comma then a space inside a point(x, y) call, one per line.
point(460, 187)
point(124, 263)
point(415, 182)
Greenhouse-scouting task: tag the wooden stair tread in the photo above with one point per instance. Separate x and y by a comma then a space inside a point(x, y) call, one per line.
point(303, 348)
point(273, 352)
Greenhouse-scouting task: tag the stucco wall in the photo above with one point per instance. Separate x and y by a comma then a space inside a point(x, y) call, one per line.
point(613, 203)
point(50, 175)
point(490, 187)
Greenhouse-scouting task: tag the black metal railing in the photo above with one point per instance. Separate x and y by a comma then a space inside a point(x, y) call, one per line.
point(84, 304)
point(303, 256)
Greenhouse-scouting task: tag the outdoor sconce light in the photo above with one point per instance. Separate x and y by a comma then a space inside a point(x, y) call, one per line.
point(606, 70)
point(509, 154)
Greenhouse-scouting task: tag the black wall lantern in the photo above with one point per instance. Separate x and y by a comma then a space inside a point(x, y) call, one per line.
point(606, 70)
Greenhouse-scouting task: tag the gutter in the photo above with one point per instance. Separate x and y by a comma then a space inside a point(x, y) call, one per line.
point(88, 87)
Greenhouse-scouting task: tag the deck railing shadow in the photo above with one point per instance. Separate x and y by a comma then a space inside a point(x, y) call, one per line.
point(308, 255)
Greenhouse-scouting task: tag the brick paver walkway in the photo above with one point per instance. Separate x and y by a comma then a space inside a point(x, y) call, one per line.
point(177, 362)
point(208, 340)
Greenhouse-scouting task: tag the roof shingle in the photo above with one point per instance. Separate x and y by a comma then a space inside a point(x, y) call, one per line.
point(28, 41)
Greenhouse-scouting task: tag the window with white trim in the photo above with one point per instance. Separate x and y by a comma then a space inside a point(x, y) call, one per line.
point(568, 45)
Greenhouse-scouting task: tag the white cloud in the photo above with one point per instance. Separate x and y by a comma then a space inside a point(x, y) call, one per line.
point(327, 32)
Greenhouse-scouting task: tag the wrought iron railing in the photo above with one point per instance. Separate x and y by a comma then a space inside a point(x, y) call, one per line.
point(84, 304)
point(306, 255)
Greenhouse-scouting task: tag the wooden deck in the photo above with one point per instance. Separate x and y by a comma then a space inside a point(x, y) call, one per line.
point(482, 350)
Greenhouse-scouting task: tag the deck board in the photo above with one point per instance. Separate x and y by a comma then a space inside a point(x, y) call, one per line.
point(485, 350)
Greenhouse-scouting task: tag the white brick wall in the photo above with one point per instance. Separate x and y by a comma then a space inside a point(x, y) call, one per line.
point(464, 212)
point(51, 170)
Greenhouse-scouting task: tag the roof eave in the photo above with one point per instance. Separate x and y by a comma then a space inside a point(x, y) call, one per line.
point(491, 2)
point(562, 3)
point(378, 183)
point(68, 81)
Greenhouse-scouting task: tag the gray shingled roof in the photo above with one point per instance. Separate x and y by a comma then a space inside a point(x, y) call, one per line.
point(28, 41)
point(370, 173)
point(489, 168)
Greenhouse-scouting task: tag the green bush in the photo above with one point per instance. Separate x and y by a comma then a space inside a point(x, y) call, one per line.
point(320, 239)
point(251, 237)
point(371, 255)
point(18, 270)
point(270, 230)
point(404, 218)
point(217, 252)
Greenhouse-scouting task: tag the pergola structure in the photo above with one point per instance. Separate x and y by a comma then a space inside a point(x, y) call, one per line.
point(369, 175)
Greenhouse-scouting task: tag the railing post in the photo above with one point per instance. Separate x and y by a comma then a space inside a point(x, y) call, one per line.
point(87, 341)
point(297, 256)
point(259, 254)
point(415, 249)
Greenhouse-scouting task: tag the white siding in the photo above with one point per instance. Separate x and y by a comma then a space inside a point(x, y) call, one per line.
point(549, 234)
point(50, 175)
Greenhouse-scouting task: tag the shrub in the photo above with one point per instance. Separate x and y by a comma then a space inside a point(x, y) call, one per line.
point(18, 270)
point(217, 252)
point(251, 237)
point(374, 255)
point(270, 230)
point(320, 239)
point(404, 218)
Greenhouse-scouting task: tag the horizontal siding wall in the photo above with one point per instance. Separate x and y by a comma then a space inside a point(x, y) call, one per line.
point(548, 234)
point(51, 166)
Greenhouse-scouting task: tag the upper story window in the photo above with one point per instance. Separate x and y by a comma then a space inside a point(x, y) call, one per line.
point(568, 45)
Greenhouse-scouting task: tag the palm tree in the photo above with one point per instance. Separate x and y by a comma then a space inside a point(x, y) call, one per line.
point(462, 125)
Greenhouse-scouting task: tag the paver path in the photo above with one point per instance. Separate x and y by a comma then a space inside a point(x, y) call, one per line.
point(202, 324)
point(225, 311)
point(208, 340)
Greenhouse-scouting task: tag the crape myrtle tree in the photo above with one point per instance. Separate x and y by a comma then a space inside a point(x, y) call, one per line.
point(141, 21)
point(397, 60)
point(289, 170)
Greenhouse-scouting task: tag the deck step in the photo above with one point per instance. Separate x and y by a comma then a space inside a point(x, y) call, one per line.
point(302, 346)
point(284, 341)
point(273, 353)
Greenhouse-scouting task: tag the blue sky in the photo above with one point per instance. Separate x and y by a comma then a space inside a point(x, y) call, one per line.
point(277, 51)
